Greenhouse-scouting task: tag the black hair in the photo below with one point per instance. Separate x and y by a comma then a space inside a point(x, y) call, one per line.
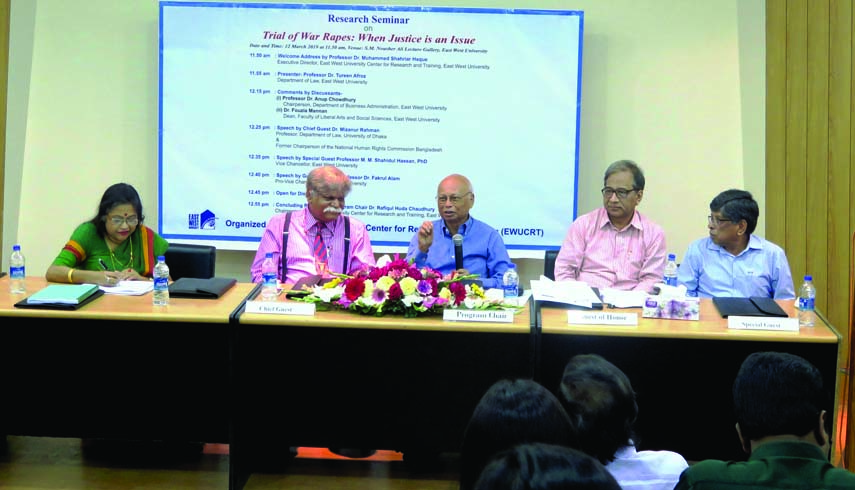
point(116, 195)
point(626, 165)
point(737, 205)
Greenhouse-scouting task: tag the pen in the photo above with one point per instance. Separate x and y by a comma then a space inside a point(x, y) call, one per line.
point(102, 264)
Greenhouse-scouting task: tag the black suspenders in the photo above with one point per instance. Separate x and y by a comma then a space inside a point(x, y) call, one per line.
point(283, 262)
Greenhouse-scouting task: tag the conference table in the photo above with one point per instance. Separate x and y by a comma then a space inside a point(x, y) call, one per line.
point(682, 370)
point(118, 367)
point(206, 370)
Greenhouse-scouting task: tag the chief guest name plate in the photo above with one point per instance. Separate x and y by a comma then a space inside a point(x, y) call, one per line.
point(281, 307)
point(763, 323)
point(490, 316)
point(582, 317)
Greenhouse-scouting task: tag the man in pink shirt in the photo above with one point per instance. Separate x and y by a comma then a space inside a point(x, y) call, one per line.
point(615, 246)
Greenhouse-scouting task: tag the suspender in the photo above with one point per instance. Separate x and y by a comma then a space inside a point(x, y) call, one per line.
point(283, 265)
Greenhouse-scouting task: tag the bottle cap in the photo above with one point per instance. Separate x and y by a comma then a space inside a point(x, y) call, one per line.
point(16, 247)
point(268, 255)
point(161, 258)
point(512, 266)
point(808, 278)
point(672, 257)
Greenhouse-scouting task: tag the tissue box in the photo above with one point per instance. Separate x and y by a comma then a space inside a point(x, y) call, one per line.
point(671, 308)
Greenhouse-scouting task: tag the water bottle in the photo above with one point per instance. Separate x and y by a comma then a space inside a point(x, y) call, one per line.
point(269, 286)
point(511, 282)
point(671, 271)
point(807, 303)
point(161, 283)
point(17, 271)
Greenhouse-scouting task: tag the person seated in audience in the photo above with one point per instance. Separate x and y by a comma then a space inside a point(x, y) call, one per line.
point(779, 403)
point(600, 402)
point(511, 412)
point(484, 251)
point(319, 239)
point(113, 246)
point(544, 467)
point(731, 261)
point(615, 246)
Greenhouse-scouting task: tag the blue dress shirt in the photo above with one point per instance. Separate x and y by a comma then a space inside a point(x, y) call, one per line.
point(708, 270)
point(484, 251)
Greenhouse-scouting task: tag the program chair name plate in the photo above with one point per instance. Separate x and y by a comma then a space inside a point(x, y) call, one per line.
point(467, 315)
point(762, 323)
point(582, 317)
point(281, 308)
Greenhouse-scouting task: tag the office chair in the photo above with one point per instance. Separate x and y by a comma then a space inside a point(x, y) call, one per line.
point(549, 263)
point(189, 260)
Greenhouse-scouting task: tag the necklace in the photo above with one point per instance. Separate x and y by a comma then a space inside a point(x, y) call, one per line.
point(114, 260)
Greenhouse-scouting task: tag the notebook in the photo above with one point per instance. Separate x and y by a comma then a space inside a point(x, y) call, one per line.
point(754, 306)
point(59, 297)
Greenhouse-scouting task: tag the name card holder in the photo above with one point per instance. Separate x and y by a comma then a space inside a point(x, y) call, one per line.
point(763, 323)
point(490, 316)
point(281, 307)
point(582, 317)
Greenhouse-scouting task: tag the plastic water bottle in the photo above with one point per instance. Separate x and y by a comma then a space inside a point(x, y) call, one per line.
point(269, 286)
point(511, 282)
point(17, 271)
point(670, 276)
point(807, 303)
point(161, 283)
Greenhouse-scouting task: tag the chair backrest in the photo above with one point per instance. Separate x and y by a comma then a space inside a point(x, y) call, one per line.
point(188, 260)
point(549, 263)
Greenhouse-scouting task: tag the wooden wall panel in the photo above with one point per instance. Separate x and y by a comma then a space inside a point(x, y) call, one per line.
point(810, 162)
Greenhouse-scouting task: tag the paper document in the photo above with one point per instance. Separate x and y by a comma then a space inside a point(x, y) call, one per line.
point(129, 288)
point(575, 293)
point(623, 299)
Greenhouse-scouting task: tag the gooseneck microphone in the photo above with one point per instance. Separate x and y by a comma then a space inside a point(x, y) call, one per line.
point(458, 251)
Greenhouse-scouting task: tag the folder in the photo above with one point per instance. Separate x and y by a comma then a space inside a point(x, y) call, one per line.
point(61, 297)
point(754, 306)
point(212, 288)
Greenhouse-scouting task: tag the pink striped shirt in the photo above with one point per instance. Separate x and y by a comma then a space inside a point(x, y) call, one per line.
point(301, 239)
point(596, 252)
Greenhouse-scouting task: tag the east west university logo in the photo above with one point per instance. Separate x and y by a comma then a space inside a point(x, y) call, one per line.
point(206, 220)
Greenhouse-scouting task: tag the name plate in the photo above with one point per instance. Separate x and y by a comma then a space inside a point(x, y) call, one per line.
point(763, 323)
point(582, 317)
point(491, 316)
point(281, 307)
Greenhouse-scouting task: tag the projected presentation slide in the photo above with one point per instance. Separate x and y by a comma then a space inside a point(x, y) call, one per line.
point(253, 96)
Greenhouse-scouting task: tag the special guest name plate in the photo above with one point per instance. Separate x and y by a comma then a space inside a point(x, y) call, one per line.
point(491, 316)
point(583, 317)
point(763, 323)
point(281, 307)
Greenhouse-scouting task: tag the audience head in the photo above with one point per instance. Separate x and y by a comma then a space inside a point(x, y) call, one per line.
point(119, 201)
point(326, 189)
point(622, 191)
point(544, 467)
point(735, 208)
point(454, 198)
point(511, 412)
point(778, 394)
point(600, 402)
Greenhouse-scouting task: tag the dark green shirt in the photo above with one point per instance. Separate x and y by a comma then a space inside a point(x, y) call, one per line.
point(781, 465)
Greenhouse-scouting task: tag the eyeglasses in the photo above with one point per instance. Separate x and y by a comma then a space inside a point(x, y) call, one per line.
point(130, 220)
point(715, 221)
point(452, 198)
point(608, 192)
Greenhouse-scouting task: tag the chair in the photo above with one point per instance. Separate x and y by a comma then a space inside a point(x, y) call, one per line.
point(188, 260)
point(549, 263)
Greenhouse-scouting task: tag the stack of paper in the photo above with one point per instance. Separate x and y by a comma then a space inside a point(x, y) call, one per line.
point(66, 294)
point(575, 293)
point(129, 288)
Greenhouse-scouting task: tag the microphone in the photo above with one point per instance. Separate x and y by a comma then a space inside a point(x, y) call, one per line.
point(458, 251)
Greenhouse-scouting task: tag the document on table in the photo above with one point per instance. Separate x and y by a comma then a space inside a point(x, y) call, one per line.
point(576, 293)
point(129, 288)
point(623, 299)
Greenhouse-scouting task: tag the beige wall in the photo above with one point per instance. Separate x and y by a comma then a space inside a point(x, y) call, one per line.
point(677, 86)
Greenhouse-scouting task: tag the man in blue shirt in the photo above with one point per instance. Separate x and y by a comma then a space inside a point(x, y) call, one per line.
point(484, 252)
point(731, 261)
